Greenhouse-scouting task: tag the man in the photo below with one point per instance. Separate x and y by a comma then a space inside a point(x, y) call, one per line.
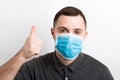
point(67, 62)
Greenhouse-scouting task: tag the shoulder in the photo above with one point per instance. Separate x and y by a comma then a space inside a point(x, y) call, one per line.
point(39, 61)
point(97, 68)
point(33, 67)
point(94, 63)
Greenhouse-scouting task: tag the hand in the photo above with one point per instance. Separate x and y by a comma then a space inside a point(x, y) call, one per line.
point(32, 45)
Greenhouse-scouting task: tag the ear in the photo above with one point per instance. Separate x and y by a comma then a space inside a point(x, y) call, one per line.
point(53, 33)
point(86, 33)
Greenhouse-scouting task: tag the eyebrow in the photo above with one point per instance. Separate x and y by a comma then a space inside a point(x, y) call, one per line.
point(62, 27)
point(78, 29)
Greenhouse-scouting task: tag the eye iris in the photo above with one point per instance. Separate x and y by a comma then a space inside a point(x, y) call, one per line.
point(62, 31)
point(77, 32)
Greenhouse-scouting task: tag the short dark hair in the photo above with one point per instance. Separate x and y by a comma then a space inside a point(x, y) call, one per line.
point(69, 11)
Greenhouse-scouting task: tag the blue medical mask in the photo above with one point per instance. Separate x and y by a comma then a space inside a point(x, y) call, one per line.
point(68, 45)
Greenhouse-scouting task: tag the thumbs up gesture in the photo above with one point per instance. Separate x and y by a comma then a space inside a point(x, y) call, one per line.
point(32, 45)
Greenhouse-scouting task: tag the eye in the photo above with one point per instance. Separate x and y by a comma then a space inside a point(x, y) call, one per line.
point(62, 30)
point(77, 32)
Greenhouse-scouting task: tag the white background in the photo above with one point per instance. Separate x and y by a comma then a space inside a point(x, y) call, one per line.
point(103, 17)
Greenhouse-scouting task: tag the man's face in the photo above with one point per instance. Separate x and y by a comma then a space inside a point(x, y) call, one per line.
point(70, 24)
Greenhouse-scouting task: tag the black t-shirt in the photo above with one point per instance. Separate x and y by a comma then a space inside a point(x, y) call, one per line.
point(48, 67)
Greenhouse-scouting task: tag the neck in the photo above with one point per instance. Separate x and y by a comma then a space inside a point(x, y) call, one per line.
point(63, 60)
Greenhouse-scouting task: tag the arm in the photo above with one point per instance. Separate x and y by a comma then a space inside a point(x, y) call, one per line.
point(10, 69)
point(31, 47)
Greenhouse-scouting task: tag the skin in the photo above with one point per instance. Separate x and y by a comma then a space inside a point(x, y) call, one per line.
point(69, 24)
point(31, 47)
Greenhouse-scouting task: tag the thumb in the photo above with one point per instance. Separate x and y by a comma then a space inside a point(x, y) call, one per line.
point(32, 30)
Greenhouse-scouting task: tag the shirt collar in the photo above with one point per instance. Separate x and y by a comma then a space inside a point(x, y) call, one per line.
point(57, 63)
point(77, 63)
point(72, 67)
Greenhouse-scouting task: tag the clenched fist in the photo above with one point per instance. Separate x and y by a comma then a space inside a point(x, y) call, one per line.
point(32, 45)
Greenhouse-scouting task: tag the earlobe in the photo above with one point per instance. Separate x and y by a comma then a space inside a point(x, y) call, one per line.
point(86, 33)
point(52, 31)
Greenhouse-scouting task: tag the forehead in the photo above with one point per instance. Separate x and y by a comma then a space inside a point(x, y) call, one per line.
point(70, 22)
